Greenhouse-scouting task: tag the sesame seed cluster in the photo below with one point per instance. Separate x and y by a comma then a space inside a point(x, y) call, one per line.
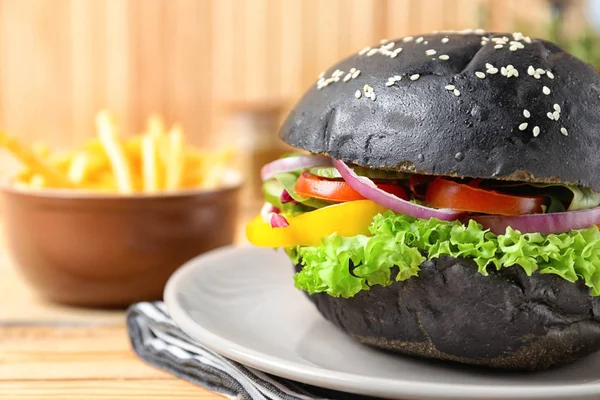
point(512, 44)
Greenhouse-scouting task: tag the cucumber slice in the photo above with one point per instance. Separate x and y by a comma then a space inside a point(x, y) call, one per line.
point(272, 190)
point(333, 173)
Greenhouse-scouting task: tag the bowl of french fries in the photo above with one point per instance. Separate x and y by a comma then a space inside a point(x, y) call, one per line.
point(106, 224)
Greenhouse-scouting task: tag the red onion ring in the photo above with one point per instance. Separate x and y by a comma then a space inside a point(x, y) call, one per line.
point(270, 214)
point(542, 223)
point(286, 197)
point(267, 209)
point(278, 221)
point(290, 164)
point(368, 189)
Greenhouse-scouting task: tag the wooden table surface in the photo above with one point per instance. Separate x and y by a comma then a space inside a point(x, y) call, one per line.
point(48, 351)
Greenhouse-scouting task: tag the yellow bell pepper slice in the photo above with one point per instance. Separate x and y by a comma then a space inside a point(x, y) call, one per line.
point(347, 219)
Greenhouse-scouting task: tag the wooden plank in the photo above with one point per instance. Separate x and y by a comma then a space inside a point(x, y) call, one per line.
point(291, 50)
point(223, 59)
point(366, 28)
point(238, 11)
point(103, 389)
point(3, 160)
point(117, 62)
point(254, 69)
point(223, 47)
point(431, 15)
point(380, 20)
point(83, 21)
point(149, 64)
point(466, 14)
point(188, 72)
point(398, 19)
point(35, 75)
point(273, 39)
point(62, 60)
point(327, 24)
point(310, 66)
point(69, 353)
point(449, 15)
point(499, 15)
point(98, 85)
point(533, 19)
point(81, 362)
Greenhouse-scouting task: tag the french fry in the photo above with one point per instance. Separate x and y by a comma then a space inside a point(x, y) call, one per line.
point(194, 160)
point(155, 125)
point(24, 175)
point(51, 175)
point(37, 182)
point(61, 160)
point(133, 152)
point(133, 147)
point(78, 168)
point(94, 146)
point(21, 185)
point(97, 164)
point(212, 177)
point(104, 181)
point(115, 152)
point(150, 164)
point(214, 163)
point(192, 178)
point(175, 163)
point(40, 149)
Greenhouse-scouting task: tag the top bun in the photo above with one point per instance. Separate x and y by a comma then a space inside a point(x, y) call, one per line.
point(469, 104)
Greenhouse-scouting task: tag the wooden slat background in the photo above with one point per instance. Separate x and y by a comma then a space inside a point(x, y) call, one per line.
point(63, 60)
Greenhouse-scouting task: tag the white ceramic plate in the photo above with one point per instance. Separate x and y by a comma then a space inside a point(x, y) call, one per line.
point(241, 303)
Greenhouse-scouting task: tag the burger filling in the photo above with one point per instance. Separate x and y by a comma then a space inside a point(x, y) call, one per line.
point(354, 227)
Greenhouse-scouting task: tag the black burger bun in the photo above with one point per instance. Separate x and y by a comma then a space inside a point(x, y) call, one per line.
point(469, 104)
point(450, 311)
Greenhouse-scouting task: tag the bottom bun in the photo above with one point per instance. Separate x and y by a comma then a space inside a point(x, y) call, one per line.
point(452, 312)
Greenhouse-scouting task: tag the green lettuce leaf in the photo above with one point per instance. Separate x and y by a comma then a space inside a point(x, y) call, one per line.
point(344, 266)
point(583, 198)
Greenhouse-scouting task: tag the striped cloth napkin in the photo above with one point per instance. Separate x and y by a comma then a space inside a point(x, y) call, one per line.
point(157, 340)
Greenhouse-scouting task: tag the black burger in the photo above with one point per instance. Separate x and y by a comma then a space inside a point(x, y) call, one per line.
point(447, 200)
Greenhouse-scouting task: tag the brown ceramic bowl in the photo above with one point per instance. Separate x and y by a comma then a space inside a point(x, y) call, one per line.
point(109, 250)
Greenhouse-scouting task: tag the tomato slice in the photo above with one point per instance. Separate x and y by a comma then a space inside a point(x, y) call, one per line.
point(310, 185)
point(443, 193)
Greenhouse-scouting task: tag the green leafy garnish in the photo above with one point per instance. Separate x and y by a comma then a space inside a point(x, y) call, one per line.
point(345, 266)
